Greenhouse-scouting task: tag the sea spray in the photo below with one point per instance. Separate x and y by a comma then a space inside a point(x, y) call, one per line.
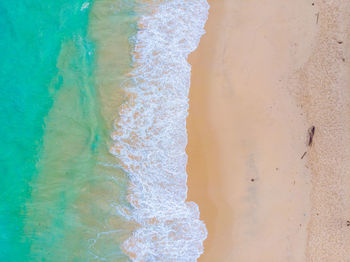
point(150, 134)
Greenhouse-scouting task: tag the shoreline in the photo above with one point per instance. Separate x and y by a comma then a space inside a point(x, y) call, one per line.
point(251, 105)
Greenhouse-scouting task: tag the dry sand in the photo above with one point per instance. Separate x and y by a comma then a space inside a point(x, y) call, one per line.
point(265, 72)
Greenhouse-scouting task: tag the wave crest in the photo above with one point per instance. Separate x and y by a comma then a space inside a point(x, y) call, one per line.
point(150, 136)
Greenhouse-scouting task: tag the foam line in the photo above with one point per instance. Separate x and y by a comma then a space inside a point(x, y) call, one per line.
point(150, 136)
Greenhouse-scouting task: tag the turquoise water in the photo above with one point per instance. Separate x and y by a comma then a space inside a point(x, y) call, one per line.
point(93, 102)
point(57, 190)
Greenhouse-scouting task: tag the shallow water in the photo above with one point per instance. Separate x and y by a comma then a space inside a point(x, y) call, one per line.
point(63, 69)
point(56, 191)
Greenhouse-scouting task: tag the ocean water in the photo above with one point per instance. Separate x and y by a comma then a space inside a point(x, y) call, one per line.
point(93, 102)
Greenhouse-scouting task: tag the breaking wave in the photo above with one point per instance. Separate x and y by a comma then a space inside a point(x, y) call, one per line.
point(150, 135)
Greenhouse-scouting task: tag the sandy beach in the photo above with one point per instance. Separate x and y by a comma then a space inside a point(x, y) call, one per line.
point(268, 188)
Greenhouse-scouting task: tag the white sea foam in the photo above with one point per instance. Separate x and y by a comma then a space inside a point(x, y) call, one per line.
point(84, 6)
point(150, 136)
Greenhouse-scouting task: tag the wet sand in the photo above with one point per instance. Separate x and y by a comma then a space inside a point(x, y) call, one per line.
point(265, 72)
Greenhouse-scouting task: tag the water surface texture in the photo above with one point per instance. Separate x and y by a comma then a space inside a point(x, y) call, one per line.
point(71, 73)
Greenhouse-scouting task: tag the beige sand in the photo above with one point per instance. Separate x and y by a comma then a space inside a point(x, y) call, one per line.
point(264, 73)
